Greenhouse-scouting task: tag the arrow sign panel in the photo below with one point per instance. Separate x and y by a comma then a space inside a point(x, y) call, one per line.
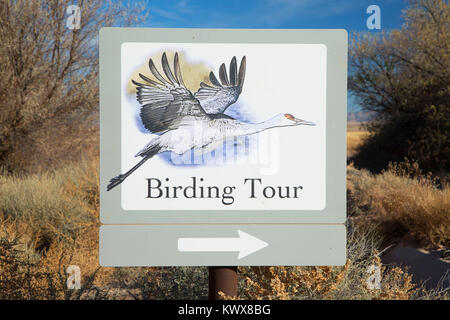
point(220, 245)
point(245, 244)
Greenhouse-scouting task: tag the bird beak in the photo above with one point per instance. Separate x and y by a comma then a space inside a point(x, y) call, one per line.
point(304, 122)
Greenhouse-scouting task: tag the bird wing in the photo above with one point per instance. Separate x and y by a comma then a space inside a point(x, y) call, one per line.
point(166, 104)
point(218, 96)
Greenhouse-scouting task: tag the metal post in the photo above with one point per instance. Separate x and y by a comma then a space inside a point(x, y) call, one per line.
point(222, 279)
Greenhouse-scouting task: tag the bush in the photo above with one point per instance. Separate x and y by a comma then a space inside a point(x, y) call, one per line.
point(167, 283)
point(49, 221)
point(41, 275)
point(404, 77)
point(54, 205)
point(50, 73)
point(403, 200)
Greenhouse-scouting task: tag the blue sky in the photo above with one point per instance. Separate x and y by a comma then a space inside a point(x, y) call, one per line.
point(279, 14)
point(348, 14)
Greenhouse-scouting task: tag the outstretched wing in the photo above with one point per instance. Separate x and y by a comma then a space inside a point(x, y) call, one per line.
point(166, 104)
point(216, 98)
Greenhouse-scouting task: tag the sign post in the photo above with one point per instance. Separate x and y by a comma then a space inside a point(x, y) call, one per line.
point(222, 279)
point(222, 148)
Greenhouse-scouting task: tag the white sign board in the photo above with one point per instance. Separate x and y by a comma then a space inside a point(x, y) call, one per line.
point(222, 128)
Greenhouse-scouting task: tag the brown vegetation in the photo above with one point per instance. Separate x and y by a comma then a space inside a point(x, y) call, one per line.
point(403, 200)
point(354, 141)
point(49, 82)
point(49, 221)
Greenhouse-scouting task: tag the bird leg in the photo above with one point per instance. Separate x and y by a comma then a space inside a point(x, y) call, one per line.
point(121, 177)
point(115, 181)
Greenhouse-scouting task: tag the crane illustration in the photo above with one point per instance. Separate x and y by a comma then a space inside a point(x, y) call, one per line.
point(186, 121)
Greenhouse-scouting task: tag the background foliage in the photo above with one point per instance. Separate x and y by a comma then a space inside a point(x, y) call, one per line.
point(403, 76)
point(49, 83)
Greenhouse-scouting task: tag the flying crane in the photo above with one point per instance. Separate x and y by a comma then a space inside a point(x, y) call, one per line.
point(186, 121)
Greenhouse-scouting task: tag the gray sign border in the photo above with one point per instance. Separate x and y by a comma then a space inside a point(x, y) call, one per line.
point(110, 43)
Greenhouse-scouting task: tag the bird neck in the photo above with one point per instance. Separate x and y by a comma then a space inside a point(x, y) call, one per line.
point(251, 128)
point(270, 123)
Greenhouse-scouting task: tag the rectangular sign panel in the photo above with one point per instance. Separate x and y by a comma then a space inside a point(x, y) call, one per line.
point(261, 170)
point(219, 245)
point(215, 129)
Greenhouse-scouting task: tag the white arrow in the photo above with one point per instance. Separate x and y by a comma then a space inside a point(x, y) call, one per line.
point(245, 244)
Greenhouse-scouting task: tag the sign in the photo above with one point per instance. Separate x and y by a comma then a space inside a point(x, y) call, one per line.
point(222, 147)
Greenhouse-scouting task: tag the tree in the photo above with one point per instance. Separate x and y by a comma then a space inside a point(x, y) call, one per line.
point(404, 77)
point(49, 72)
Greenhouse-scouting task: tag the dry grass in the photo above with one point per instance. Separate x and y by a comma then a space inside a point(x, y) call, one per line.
point(52, 204)
point(47, 222)
point(403, 201)
point(26, 273)
point(354, 126)
point(354, 140)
